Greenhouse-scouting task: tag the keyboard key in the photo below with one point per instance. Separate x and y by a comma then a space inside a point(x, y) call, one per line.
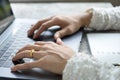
point(13, 44)
point(8, 64)
point(1, 62)
point(1, 52)
point(4, 58)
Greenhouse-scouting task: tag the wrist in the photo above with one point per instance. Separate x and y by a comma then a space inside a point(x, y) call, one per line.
point(87, 17)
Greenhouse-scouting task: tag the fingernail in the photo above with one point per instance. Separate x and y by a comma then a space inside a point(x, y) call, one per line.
point(59, 41)
point(56, 36)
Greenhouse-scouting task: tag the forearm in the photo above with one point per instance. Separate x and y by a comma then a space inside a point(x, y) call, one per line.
point(105, 19)
point(84, 67)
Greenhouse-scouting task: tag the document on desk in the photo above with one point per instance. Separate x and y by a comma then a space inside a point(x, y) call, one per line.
point(105, 46)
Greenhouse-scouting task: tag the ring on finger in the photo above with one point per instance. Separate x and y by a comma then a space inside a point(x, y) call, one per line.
point(31, 53)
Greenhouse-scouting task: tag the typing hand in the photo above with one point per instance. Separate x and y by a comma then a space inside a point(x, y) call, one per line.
point(48, 56)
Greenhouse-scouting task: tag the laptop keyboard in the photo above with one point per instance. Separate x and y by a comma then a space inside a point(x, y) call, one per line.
point(5, 52)
point(20, 39)
point(12, 45)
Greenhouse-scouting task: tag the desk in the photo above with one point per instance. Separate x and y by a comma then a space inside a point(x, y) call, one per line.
point(43, 10)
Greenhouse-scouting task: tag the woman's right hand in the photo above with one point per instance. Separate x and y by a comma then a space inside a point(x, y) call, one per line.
point(68, 24)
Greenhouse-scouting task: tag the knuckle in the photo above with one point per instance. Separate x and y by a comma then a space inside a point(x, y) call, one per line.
point(69, 30)
point(17, 67)
point(43, 25)
point(24, 54)
point(27, 46)
point(27, 65)
point(58, 18)
point(46, 47)
point(60, 33)
point(50, 42)
point(38, 22)
point(25, 51)
point(38, 41)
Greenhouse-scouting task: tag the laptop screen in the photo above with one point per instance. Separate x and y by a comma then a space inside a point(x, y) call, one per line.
point(6, 15)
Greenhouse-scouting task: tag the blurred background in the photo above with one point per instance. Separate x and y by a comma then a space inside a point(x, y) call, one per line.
point(113, 2)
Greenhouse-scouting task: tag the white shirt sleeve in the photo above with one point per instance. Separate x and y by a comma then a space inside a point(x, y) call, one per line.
point(85, 67)
point(105, 18)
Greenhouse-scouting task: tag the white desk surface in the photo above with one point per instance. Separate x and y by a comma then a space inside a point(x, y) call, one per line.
point(42, 10)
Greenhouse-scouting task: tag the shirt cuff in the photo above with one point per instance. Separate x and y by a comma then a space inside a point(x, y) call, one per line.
point(84, 67)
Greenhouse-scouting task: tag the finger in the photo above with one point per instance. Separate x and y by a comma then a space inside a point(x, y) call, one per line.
point(23, 54)
point(37, 25)
point(24, 66)
point(26, 54)
point(59, 41)
point(30, 47)
point(45, 26)
point(40, 43)
point(61, 33)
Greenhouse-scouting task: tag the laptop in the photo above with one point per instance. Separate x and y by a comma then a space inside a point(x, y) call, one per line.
point(105, 46)
point(13, 36)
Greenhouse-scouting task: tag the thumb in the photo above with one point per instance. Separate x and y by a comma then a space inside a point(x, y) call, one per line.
point(61, 33)
point(59, 41)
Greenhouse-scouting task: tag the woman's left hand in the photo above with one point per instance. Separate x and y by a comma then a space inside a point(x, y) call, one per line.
point(49, 56)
